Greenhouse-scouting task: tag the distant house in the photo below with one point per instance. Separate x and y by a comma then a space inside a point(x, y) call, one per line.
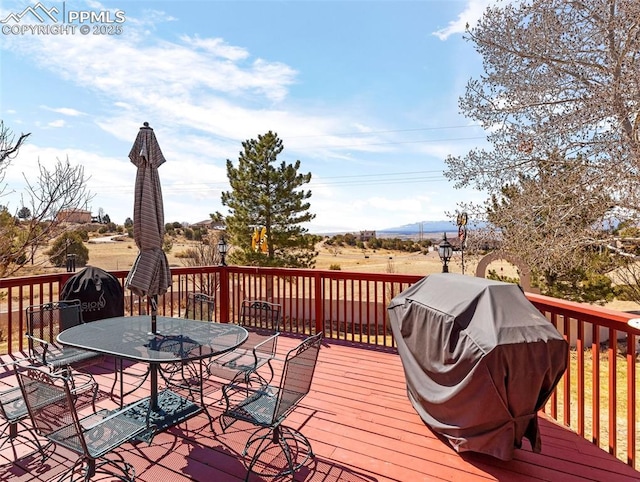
point(209, 224)
point(77, 216)
point(367, 236)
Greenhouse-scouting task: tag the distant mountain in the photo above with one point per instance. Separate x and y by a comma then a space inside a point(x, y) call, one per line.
point(424, 227)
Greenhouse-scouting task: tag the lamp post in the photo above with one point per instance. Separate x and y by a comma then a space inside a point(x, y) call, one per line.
point(445, 250)
point(222, 249)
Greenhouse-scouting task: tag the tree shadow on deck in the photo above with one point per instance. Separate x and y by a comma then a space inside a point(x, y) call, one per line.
point(230, 444)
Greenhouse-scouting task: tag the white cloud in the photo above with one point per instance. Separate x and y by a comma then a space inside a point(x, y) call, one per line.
point(197, 84)
point(64, 111)
point(56, 123)
point(470, 15)
point(217, 47)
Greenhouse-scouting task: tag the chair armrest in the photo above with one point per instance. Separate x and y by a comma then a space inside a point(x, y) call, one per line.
point(267, 346)
point(112, 414)
point(234, 386)
point(45, 347)
point(11, 363)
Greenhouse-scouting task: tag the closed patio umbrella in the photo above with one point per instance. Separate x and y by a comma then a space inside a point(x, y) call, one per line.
point(150, 275)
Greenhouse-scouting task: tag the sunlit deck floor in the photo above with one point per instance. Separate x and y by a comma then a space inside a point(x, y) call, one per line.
point(362, 428)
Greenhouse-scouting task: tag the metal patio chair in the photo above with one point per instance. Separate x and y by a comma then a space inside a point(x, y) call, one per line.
point(268, 407)
point(201, 307)
point(13, 410)
point(44, 323)
point(50, 403)
point(262, 321)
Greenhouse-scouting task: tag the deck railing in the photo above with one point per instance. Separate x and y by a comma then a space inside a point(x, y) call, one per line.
point(596, 397)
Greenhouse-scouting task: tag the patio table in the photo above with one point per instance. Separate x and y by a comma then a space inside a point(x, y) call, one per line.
point(177, 340)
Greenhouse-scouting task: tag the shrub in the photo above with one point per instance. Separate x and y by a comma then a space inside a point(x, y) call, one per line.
point(68, 243)
point(84, 234)
point(167, 244)
point(335, 267)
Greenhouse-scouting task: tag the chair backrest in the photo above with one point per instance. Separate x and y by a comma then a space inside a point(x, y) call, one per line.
point(297, 374)
point(200, 307)
point(51, 408)
point(263, 315)
point(46, 321)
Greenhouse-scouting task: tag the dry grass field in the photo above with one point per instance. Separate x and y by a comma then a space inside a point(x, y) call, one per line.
point(120, 255)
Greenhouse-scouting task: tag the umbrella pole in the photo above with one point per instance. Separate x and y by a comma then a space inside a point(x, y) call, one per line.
point(153, 399)
point(154, 313)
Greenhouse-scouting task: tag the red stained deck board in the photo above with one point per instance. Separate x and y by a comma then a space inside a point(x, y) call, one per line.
point(360, 423)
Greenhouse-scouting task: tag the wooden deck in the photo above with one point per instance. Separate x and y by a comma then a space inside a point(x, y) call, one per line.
point(361, 426)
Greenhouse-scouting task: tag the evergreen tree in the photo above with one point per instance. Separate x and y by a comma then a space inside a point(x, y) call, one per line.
point(268, 200)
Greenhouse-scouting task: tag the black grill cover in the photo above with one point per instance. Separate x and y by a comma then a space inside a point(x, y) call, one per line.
point(100, 293)
point(479, 359)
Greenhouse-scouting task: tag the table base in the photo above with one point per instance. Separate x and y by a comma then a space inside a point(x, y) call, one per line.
point(172, 410)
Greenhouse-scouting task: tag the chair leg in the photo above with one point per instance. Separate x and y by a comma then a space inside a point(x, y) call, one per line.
point(119, 372)
point(30, 438)
point(263, 444)
point(291, 442)
point(189, 378)
point(88, 468)
point(128, 471)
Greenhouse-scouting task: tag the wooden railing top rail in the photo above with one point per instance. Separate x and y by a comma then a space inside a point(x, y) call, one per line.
point(600, 315)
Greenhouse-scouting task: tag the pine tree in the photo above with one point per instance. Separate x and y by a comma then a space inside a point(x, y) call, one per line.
point(268, 199)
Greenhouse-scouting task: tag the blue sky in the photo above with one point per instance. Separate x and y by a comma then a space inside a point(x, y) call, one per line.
point(363, 93)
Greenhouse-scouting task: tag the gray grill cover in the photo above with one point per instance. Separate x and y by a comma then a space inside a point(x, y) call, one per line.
point(479, 359)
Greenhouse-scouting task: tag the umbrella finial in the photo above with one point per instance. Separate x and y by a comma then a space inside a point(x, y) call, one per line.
point(145, 125)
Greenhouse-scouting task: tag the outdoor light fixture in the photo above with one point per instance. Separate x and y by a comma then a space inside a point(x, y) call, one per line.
point(445, 250)
point(222, 249)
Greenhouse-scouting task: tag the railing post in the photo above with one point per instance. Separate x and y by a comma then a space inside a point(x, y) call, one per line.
point(319, 302)
point(224, 294)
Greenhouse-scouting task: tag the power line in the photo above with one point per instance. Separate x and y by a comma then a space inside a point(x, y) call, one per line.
point(366, 144)
point(373, 182)
point(353, 179)
point(390, 131)
point(403, 173)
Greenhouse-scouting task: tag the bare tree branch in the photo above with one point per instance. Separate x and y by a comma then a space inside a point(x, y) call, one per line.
point(62, 188)
point(8, 148)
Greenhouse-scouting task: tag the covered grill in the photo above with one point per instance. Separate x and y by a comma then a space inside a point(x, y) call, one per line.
point(100, 293)
point(479, 359)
